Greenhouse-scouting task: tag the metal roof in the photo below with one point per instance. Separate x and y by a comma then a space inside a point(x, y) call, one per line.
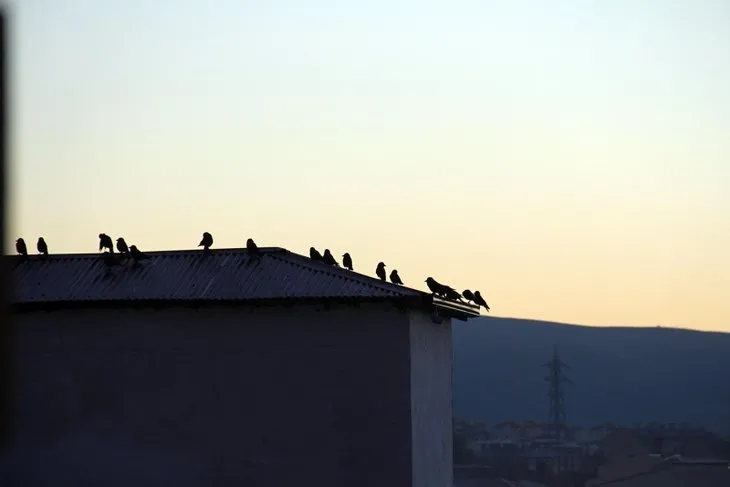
point(223, 275)
point(216, 275)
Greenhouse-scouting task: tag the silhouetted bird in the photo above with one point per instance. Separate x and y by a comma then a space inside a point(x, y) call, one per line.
point(451, 293)
point(253, 250)
point(436, 287)
point(137, 254)
point(122, 246)
point(42, 246)
point(329, 259)
point(380, 271)
point(105, 242)
point(468, 295)
point(480, 300)
point(314, 254)
point(21, 248)
point(395, 278)
point(207, 241)
point(110, 260)
point(347, 261)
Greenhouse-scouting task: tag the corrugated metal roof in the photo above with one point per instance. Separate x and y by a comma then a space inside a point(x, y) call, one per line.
point(221, 274)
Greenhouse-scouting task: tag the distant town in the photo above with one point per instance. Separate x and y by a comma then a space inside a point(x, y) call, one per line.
point(587, 456)
point(557, 453)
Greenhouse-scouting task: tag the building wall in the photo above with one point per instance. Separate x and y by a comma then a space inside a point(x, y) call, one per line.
point(223, 396)
point(431, 401)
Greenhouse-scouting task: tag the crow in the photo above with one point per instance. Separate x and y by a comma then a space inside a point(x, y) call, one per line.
point(314, 254)
point(329, 259)
point(105, 242)
point(21, 247)
point(380, 271)
point(253, 249)
point(452, 293)
point(480, 300)
point(347, 261)
point(436, 287)
point(42, 246)
point(395, 278)
point(137, 254)
point(122, 246)
point(468, 295)
point(207, 241)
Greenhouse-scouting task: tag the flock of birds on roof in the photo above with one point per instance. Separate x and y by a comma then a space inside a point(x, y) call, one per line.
point(126, 252)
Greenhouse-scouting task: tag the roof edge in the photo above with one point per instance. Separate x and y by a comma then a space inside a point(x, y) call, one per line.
point(404, 301)
point(266, 250)
point(454, 309)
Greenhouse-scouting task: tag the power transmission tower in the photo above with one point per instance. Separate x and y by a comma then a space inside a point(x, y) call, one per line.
point(557, 380)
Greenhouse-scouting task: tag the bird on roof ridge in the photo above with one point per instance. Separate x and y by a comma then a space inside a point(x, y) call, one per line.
point(206, 242)
point(42, 246)
point(478, 299)
point(347, 261)
point(122, 246)
point(329, 259)
point(315, 255)
point(105, 242)
point(21, 248)
point(380, 271)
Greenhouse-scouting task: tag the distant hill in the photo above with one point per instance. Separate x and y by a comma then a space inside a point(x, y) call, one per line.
point(620, 374)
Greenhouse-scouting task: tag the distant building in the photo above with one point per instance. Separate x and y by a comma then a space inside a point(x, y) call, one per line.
point(597, 433)
point(648, 471)
point(211, 369)
point(558, 455)
point(624, 443)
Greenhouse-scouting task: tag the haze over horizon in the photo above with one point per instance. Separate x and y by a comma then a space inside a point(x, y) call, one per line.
point(570, 160)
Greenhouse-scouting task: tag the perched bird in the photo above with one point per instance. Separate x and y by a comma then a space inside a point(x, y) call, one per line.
point(314, 254)
point(436, 287)
point(110, 260)
point(122, 246)
point(480, 300)
point(329, 259)
point(468, 295)
point(207, 241)
point(21, 247)
point(451, 293)
point(253, 250)
point(137, 254)
point(105, 242)
point(347, 261)
point(42, 246)
point(395, 278)
point(380, 271)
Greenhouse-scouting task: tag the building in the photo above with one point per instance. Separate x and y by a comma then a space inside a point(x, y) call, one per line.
point(557, 455)
point(209, 368)
point(624, 443)
point(654, 471)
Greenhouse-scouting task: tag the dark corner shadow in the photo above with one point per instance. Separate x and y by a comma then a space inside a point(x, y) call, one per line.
point(5, 329)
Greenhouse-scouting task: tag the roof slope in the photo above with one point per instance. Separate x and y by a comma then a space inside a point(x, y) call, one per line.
point(191, 275)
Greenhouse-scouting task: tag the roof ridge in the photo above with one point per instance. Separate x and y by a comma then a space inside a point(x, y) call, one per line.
point(345, 273)
point(266, 250)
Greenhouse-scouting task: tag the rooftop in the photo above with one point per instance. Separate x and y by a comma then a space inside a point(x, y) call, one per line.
point(220, 275)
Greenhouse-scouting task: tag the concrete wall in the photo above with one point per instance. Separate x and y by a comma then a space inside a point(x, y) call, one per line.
point(431, 401)
point(222, 396)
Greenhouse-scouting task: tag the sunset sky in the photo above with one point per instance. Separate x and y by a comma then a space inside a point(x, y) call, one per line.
point(570, 159)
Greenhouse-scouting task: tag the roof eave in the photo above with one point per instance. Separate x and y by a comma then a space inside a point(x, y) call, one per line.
point(21, 307)
point(455, 309)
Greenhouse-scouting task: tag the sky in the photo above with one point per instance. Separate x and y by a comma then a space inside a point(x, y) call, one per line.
point(569, 159)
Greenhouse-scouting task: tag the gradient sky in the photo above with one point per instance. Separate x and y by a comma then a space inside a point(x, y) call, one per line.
point(570, 159)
